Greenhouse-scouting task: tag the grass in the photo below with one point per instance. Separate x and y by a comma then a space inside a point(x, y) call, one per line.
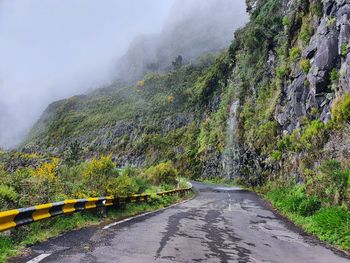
point(330, 224)
point(14, 244)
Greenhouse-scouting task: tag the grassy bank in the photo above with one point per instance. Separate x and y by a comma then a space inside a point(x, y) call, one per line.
point(330, 223)
point(14, 244)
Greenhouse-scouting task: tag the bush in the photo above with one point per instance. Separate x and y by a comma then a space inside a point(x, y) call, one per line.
point(305, 65)
point(163, 173)
point(341, 109)
point(305, 33)
point(8, 196)
point(334, 76)
point(329, 182)
point(123, 185)
point(96, 175)
point(281, 71)
point(295, 54)
point(313, 136)
point(344, 49)
point(309, 206)
point(286, 21)
point(335, 180)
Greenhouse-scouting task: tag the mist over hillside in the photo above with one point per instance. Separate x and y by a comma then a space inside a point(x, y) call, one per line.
point(59, 59)
point(194, 27)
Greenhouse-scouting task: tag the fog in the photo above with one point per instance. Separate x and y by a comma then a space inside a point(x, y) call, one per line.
point(53, 49)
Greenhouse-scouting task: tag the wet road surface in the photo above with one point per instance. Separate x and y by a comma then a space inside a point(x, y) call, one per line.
point(219, 225)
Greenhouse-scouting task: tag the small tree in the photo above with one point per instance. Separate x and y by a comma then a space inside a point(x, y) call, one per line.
point(177, 63)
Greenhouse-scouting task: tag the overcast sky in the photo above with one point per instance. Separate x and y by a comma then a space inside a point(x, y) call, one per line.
point(50, 49)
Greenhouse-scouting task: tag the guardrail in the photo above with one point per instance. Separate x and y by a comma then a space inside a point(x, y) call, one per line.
point(23, 216)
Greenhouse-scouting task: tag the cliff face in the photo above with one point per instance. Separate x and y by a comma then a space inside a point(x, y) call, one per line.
point(291, 93)
point(287, 74)
point(327, 54)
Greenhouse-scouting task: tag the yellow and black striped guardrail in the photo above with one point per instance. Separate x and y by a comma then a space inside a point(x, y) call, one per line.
point(23, 216)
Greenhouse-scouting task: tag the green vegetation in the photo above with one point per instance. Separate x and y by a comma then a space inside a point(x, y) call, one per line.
point(334, 76)
point(53, 180)
point(295, 54)
point(306, 33)
point(305, 65)
point(43, 230)
point(331, 21)
point(344, 49)
point(341, 109)
point(162, 173)
point(329, 223)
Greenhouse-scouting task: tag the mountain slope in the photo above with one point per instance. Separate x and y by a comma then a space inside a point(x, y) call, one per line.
point(194, 27)
point(289, 70)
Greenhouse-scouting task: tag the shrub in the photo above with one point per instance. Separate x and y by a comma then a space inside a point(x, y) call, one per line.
point(170, 99)
point(309, 206)
point(163, 173)
point(140, 83)
point(281, 71)
point(331, 21)
point(123, 185)
point(334, 76)
point(313, 136)
point(335, 179)
point(96, 175)
point(286, 21)
point(8, 196)
point(276, 155)
point(288, 199)
point(341, 109)
point(295, 54)
point(305, 65)
point(329, 181)
point(305, 33)
point(316, 8)
point(344, 49)
point(265, 133)
point(48, 171)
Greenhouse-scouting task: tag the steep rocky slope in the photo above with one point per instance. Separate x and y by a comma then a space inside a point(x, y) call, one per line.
point(158, 119)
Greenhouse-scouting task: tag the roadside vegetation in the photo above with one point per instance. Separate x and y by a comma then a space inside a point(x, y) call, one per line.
point(39, 179)
point(15, 243)
point(318, 212)
point(44, 179)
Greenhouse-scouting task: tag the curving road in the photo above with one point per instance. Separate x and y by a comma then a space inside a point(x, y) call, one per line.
point(219, 225)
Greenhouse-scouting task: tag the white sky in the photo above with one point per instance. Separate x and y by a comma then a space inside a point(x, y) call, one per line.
point(50, 49)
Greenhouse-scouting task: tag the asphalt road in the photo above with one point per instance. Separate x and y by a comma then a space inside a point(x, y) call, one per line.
point(219, 225)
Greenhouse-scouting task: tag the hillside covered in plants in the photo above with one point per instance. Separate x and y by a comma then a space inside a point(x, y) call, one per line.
point(272, 112)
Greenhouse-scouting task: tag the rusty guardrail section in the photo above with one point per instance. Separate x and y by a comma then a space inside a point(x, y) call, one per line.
point(23, 216)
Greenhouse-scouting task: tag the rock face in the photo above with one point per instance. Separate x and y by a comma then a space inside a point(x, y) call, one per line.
point(303, 93)
point(319, 33)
